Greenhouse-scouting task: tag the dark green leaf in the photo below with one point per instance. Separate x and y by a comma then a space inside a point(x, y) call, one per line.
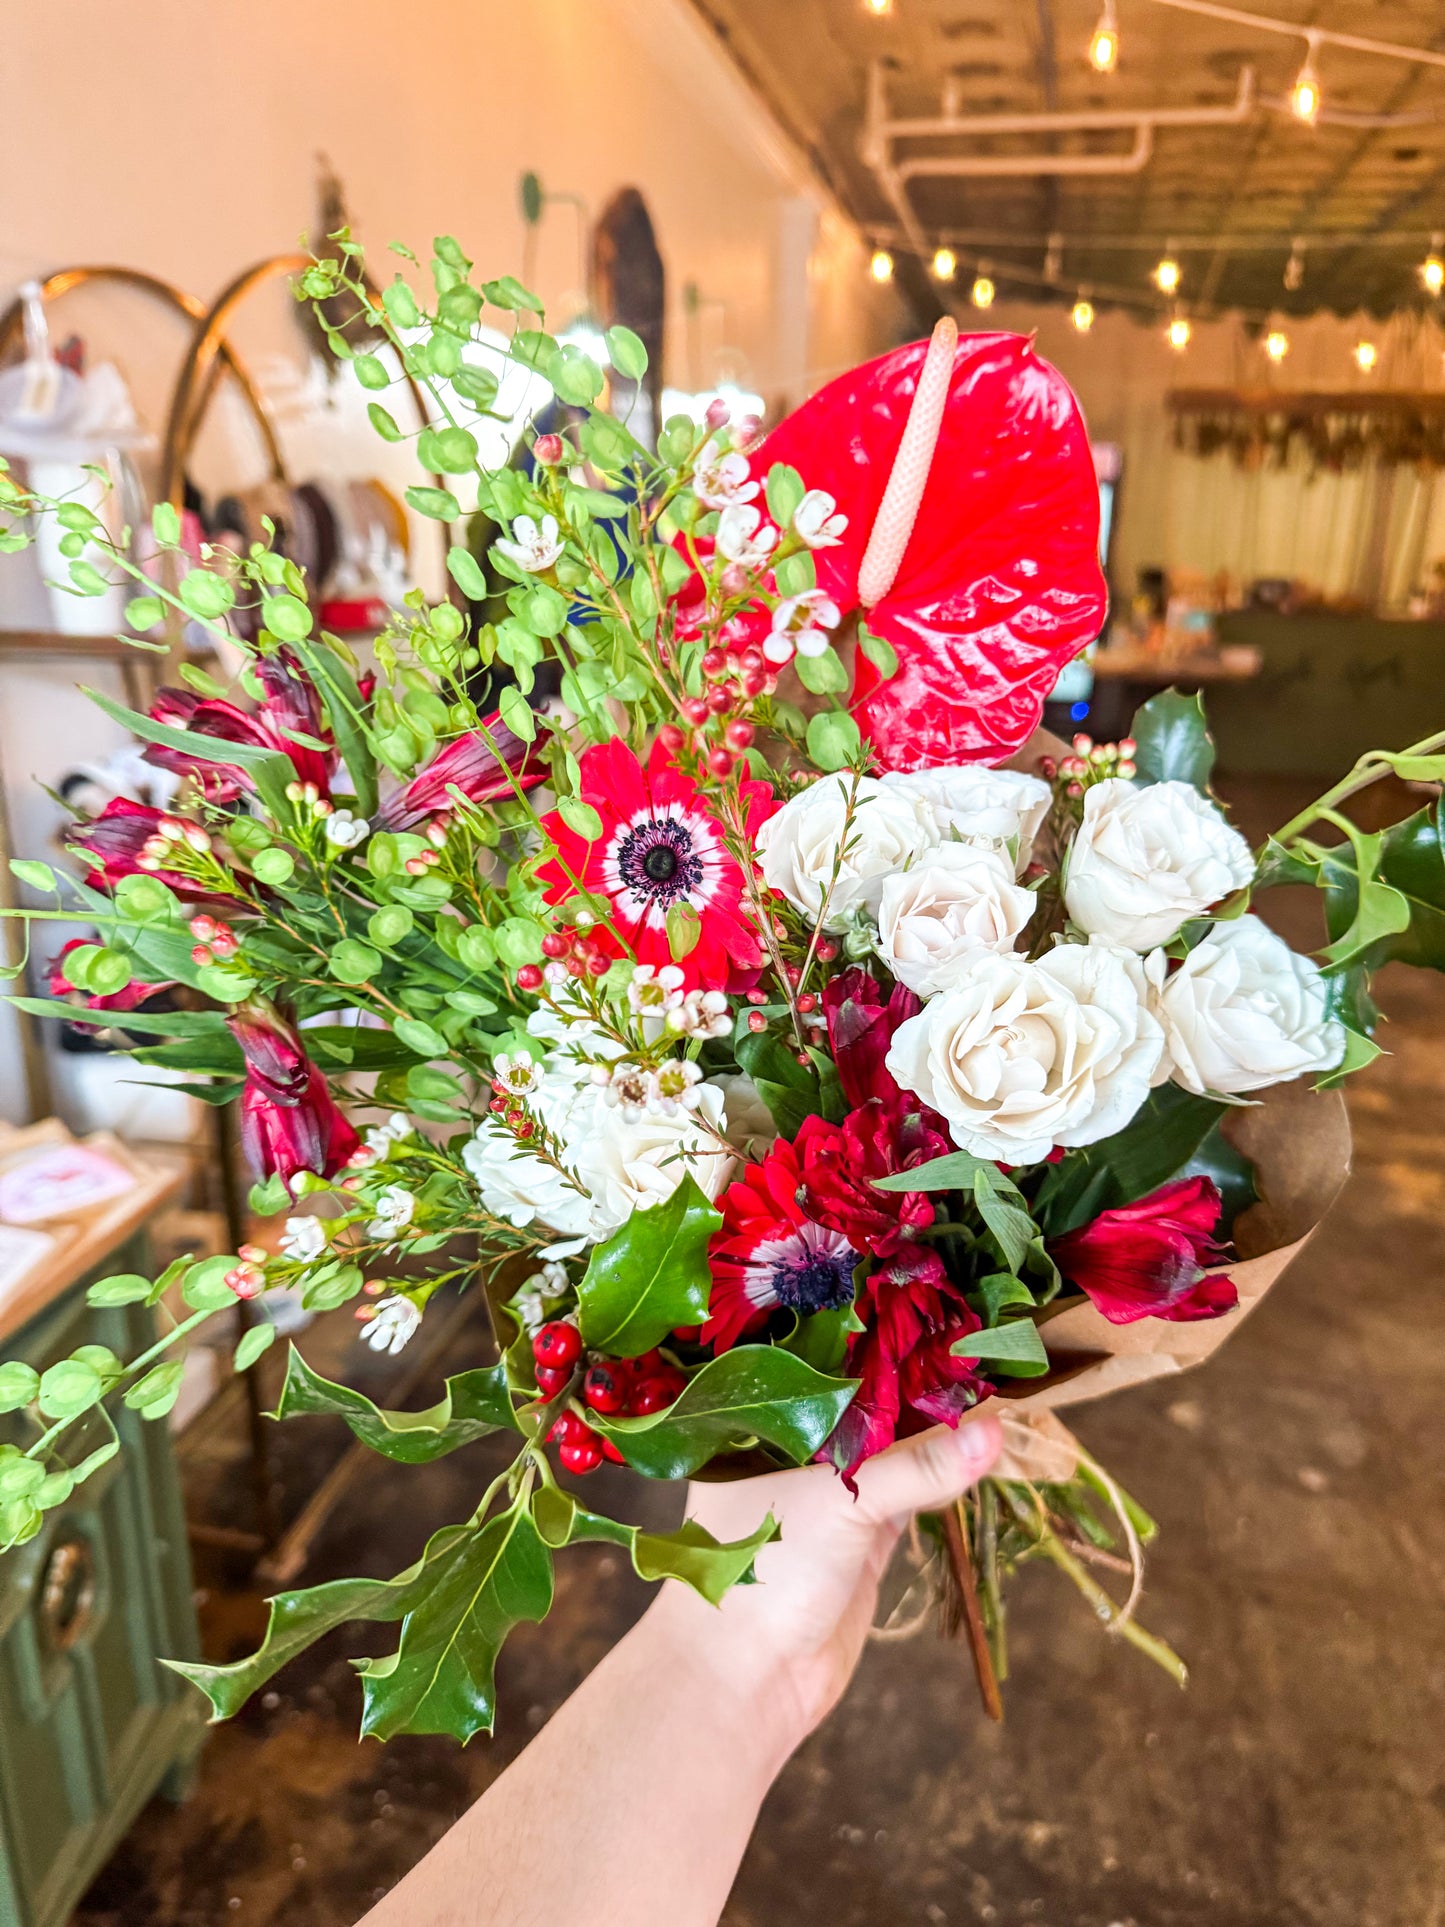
point(1230, 1171)
point(651, 1276)
point(1412, 863)
point(168, 1023)
point(1014, 1349)
point(956, 1171)
point(346, 714)
point(1168, 1129)
point(790, 1090)
point(1173, 741)
point(475, 1405)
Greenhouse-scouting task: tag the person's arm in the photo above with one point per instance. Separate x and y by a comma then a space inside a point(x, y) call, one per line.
point(633, 1806)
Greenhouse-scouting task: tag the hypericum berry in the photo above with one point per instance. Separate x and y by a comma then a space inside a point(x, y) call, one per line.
point(739, 735)
point(605, 1388)
point(548, 450)
point(552, 1379)
point(557, 1344)
point(714, 662)
point(694, 710)
point(756, 1020)
point(583, 1454)
point(529, 977)
point(671, 738)
point(720, 762)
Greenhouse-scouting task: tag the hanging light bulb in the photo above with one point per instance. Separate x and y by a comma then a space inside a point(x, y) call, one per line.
point(1304, 97)
point(1104, 47)
point(1276, 344)
point(879, 7)
point(1366, 355)
point(945, 263)
point(1083, 315)
point(1294, 268)
point(881, 266)
point(1166, 274)
point(1432, 268)
point(982, 292)
point(1179, 333)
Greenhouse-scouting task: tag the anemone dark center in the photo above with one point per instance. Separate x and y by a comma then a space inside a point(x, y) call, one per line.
point(660, 863)
point(659, 859)
point(814, 1281)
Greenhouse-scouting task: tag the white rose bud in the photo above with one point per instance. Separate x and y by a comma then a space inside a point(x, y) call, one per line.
point(1147, 860)
point(994, 808)
point(1242, 1011)
point(799, 846)
point(1020, 1057)
point(954, 903)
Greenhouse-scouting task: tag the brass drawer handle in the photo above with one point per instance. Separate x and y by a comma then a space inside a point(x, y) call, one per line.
point(67, 1594)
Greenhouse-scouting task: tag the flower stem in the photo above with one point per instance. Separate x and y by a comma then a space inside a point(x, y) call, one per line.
point(960, 1558)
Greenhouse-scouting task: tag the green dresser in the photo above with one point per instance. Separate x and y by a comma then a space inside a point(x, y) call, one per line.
point(90, 1724)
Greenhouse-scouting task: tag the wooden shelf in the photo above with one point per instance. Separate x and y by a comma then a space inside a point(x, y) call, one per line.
point(59, 647)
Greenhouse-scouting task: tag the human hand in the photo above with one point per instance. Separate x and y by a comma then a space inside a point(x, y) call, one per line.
point(789, 1644)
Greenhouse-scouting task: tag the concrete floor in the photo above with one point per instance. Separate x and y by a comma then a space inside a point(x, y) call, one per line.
point(1298, 1782)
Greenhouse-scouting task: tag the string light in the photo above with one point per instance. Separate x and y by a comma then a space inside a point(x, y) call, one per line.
point(1304, 97)
point(982, 292)
point(945, 263)
point(881, 266)
point(1179, 333)
point(879, 7)
point(1167, 273)
point(1432, 268)
point(1104, 47)
point(1276, 344)
point(1294, 268)
point(1366, 355)
point(1083, 315)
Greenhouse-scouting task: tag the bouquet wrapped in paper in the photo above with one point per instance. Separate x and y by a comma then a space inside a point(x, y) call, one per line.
point(683, 935)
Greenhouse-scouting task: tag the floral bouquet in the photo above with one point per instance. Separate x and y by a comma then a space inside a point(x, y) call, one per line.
point(683, 935)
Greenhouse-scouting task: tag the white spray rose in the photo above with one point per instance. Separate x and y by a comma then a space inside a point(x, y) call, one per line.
point(993, 808)
point(1021, 1056)
point(1242, 1011)
point(955, 902)
point(632, 1163)
point(1147, 860)
point(520, 1186)
point(798, 847)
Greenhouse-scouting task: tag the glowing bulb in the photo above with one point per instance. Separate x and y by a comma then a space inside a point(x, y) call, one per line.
point(983, 292)
point(1304, 97)
point(881, 266)
point(1276, 344)
point(879, 7)
point(1166, 275)
point(1104, 47)
point(1432, 272)
point(1083, 316)
point(944, 264)
point(1366, 355)
point(1179, 332)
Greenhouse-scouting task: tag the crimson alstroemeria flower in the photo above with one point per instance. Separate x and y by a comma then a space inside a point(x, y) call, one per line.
point(290, 704)
point(1147, 1259)
point(125, 833)
point(861, 1023)
point(998, 584)
point(130, 998)
point(289, 1120)
point(476, 764)
point(659, 848)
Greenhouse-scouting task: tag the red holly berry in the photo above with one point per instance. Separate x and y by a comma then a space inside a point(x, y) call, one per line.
point(552, 1379)
point(605, 1388)
point(582, 1454)
point(655, 1393)
point(529, 977)
point(567, 1425)
point(610, 1451)
point(557, 1344)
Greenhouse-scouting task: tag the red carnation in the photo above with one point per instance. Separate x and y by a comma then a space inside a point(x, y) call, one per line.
point(477, 764)
point(659, 848)
point(290, 704)
point(289, 1120)
point(1147, 1259)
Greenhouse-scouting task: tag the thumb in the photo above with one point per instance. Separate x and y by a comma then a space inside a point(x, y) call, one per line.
point(921, 1474)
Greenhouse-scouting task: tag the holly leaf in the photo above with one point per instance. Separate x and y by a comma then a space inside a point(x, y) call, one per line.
point(1410, 863)
point(442, 1676)
point(650, 1277)
point(1173, 743)
point(691, 1553)
point(475, 1405)
point(752, 1393)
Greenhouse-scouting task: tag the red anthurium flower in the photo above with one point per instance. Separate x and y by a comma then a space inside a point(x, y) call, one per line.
point(1147, 1259)
point(289, 1120)
point(861, 1023)
point(470, 763)
point(130, 998)
point(659, 847)
point(769, 1254)
point(290, 704)
point(998, 582)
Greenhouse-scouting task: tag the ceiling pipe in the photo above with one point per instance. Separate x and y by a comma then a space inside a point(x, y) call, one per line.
point(958, 166)
point(1081, 120)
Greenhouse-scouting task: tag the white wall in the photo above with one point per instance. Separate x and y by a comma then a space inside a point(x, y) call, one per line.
point(182, 139)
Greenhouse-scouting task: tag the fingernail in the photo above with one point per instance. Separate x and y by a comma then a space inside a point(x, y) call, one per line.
point(980, 1441)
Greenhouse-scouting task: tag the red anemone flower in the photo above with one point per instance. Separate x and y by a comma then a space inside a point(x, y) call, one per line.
point(659, 848)
point(998, 582)
point(290, 704)
point(289, 1120)
point(476, 766)
point(1147, 1259)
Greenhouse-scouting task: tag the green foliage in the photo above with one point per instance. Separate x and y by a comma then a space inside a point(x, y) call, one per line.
point(1398, 916)
point(651, 1276)
point(1014, 1349)
point(475, 1405)
point(691, 1553)
point(1170, 1128)
point(1173, 741)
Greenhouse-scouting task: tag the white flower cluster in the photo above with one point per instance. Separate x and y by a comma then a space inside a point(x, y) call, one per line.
point(1022, 1054)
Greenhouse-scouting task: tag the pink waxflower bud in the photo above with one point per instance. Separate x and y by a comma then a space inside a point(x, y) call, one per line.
point(549, 450)
point(734, 579)
point(203, 928)
point(746, 431)
point(718, 413)
point(200, 954)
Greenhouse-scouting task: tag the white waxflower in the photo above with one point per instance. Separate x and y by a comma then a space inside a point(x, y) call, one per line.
point(1020, 1057)
point(955, 902)
point(702, 1013)
point(518, 1185)
point(395, 1208)
point(799, 845)
point(379, 1138)
point(1147, 860)
point(674, 1086)
point(652, 993)
point(724, 481)
point(304, 1239)
point(815, 523)
point(534, 1303)
point(532, 547)
point(995, 809)
point(743, 537)
point(1242, 1011)
point(628, 1088)
point(344, 829)
point(395, 1321)
point(800, 626)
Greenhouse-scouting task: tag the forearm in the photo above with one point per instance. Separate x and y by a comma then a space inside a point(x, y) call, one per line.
point(632, 1807)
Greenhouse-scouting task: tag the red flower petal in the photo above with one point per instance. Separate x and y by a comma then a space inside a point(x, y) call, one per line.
point(1147, 1259)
